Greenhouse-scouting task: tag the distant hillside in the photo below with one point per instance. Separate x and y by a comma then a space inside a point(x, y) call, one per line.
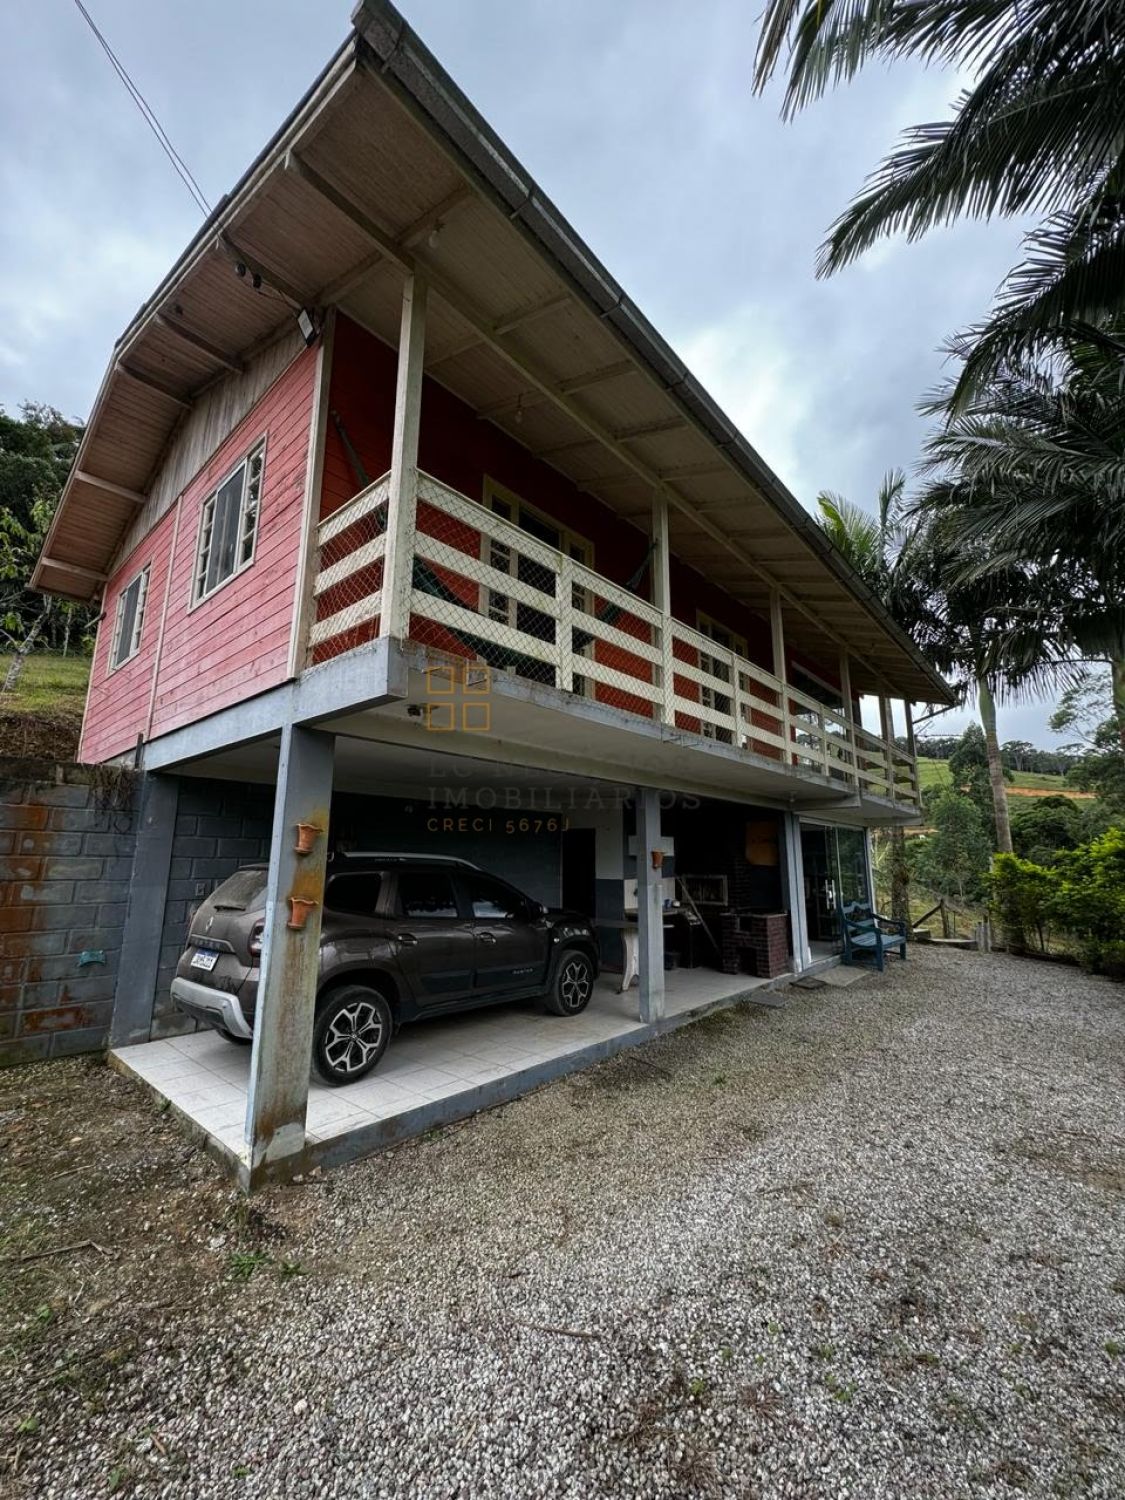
point(1023, 784)
point(43, 717)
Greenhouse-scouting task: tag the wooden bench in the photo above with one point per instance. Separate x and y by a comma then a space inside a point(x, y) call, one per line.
point(867, 935)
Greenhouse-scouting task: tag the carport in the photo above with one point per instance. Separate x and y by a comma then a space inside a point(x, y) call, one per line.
point(555, 834)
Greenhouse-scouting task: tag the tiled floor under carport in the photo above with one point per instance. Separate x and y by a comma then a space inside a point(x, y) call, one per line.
point(433, 1071)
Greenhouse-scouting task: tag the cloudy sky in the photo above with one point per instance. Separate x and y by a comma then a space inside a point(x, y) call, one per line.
point(638, 120)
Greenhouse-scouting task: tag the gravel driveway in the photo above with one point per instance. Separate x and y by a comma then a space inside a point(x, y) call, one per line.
point(868, 1245)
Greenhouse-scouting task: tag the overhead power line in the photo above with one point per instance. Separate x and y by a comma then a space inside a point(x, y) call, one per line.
point(183, 171)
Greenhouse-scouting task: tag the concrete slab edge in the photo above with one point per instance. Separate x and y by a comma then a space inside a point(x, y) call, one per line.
point(337, 1151)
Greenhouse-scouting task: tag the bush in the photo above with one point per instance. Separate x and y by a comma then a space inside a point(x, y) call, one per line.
point(1082, 893)
point(1089, 898)
point(1021, 895)
point(1043, 825)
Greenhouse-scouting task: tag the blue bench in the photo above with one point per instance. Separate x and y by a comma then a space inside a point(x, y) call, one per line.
point(867, 935)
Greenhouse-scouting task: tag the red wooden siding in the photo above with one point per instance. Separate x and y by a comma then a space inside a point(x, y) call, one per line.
point(236, 643)
point(117, 710)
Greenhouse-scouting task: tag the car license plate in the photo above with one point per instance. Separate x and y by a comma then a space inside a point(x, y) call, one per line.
point(200, 959)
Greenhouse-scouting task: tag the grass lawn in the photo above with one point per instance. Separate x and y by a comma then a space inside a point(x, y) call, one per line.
point(48, 684)
point(43, 716)
point(936, 772)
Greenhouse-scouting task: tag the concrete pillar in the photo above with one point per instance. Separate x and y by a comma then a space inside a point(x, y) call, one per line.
point(144, 918)
point(402, 506)
point(282, 1053)
point(795, 880)
point(650, 907)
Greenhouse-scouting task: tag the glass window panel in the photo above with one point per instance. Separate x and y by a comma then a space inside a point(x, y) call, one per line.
point(426, 893)
point(490, 900)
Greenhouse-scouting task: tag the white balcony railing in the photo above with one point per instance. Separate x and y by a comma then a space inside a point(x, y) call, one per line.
point(484, 588)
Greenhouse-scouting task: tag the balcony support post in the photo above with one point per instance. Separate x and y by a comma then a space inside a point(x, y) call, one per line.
point(912, 748)
point(851, 768)
point(886, 720)
point(662, 599)
point(777, 639)
point(402, 506)
point(650, 907)
point(564, 626)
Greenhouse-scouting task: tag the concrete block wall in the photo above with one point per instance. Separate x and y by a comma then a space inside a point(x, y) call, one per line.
point(220, 825)
point(66, 858)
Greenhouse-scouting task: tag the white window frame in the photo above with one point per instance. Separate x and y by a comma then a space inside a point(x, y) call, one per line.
point(140, 580)
point(200, 595)
point(502, 607)
point(707, 625)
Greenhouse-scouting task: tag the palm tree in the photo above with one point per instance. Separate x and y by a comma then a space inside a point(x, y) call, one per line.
point(1040, 130)
point(875, 545)
point(964, 619)
point(1039, 463)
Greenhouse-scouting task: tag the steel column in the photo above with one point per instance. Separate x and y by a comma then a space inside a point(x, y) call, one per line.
point(280, 1061)
point(650, 907)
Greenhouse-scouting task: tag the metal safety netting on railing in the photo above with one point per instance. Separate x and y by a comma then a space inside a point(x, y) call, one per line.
point(348, 582)
point(487, 589)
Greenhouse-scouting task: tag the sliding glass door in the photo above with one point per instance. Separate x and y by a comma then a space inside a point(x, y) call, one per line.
point(835, 874)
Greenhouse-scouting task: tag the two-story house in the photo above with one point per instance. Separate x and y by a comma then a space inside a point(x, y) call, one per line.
point(390, 491)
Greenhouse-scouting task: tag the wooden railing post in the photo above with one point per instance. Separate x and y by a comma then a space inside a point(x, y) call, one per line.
point(912, 747)
point(849, 723)
point(887, 722)
point(398, 561)
point(662, 599)
point(564, 637)
point(777, 641)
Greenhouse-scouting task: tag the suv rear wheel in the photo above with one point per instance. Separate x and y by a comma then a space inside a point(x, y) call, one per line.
point(573, 986)
point(351, 1034)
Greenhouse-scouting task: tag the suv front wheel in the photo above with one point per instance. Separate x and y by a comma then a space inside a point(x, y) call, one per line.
point(351, 1034)
point(573, 986)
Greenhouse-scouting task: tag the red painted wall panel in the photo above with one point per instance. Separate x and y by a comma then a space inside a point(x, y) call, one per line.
point(236, 643)
point(117, 708)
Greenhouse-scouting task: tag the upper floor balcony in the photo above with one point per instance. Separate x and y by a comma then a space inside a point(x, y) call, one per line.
point(476, 587)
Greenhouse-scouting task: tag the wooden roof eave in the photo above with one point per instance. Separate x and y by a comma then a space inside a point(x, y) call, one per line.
point(688, 424)
point(54, 574)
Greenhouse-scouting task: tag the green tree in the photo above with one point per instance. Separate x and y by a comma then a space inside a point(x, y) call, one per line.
point(1042, 826)
point(1039, 130)
point(954, 858)
point(1034, 479)
point(969, 770)
point(1086, 710)
point(36, 453)
point(876, 546)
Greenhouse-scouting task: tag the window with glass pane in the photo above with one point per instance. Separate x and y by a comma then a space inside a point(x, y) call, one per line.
point(356, 894)
point(229, 525)
point(130, 620)
point(426, 894)
point(492, 901)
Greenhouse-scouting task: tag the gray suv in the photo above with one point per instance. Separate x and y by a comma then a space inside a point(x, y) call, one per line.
point(402, 937)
